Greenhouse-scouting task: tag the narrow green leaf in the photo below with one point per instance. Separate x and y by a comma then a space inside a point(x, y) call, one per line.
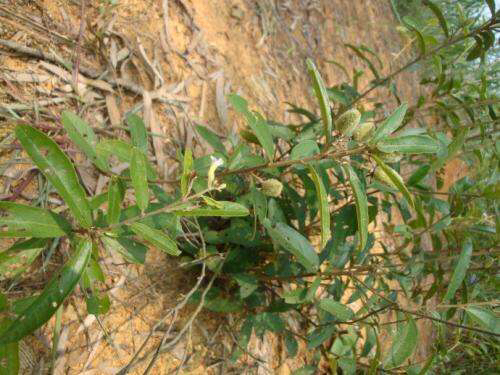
point(58, 169)
point(187, 167)
point(116, 194)
point(223, 305)
point(439, 15)
point(53, 295)
point(453, 148)
point(392, 123)
point(362, 56)
point(9, 353)
point(263, 134)
point(460, 269)
point(156, 238)
point(424, 370)
point(211, 138)
point(319, 336)
point(410, 24)
point(19, 256)
point(291, 344)
point(484, 317)
point(123, 151)
point(405, 342)
point(419, 175)
point(304, 149)
point(138, 132)
point(244, 338)
point(361, 205)
point(226, 209)
point(132, 251)
point(295, 243)
point(248, 284)
point(323, 99)
point(411, 144)
point(396, 179)
point(342, 312)
point(139, 178)
point(18, 220)
point(98, 305)
point(324, 212)
point(477, 51)
point(84, 138)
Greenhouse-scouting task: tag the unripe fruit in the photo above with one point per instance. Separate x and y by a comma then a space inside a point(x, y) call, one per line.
point(364, 131)
point(381, 176)
point(348, 122)
point(272, 187)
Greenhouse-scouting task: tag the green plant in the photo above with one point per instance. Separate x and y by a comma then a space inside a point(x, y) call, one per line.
point(282, 216)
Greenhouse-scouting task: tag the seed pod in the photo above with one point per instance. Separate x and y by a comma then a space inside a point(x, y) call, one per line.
point(381, 176)
point(348, 122)
point(272, 187)
point(389, 157)
point(364, 131)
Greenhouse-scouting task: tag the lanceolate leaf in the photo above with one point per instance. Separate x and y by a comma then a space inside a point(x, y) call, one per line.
point(115, 197)
point(9, 353)
point(156, 238)
point(18, 220)
point(324, 211)
point(187, 166)
point(323, 100)
point(392, 123)
point(54, 294)
point(225, 209)
point(138, 132)
point(411, 144)
point(396, 179)
point(132, 251)
point(362, 56)
point(403, 345)
point(454, 147)
point(485, 317)
point(58, 169)
point(460, 269)
point(337, 309)
point(263, 134)
point(18, 257)
point(211, 138)
point(84, 137)
point(123, 152)
point(439, 15)
point(361, 205)
point(295, 243)
point(139, 178)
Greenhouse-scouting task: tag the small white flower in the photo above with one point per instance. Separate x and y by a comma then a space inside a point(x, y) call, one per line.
point(216, 162)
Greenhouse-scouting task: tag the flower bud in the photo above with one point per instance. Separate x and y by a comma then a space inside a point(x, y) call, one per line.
point(348, 122)
point(381, 176)
point(272, 187)
point(364, 131)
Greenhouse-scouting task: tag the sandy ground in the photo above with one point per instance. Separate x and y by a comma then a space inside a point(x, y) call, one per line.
point(196, 51)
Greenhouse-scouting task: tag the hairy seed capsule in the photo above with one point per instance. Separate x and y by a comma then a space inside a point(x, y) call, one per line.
point(272, 187)
point(364, 131)
point(381, 176)
point(348, 122)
